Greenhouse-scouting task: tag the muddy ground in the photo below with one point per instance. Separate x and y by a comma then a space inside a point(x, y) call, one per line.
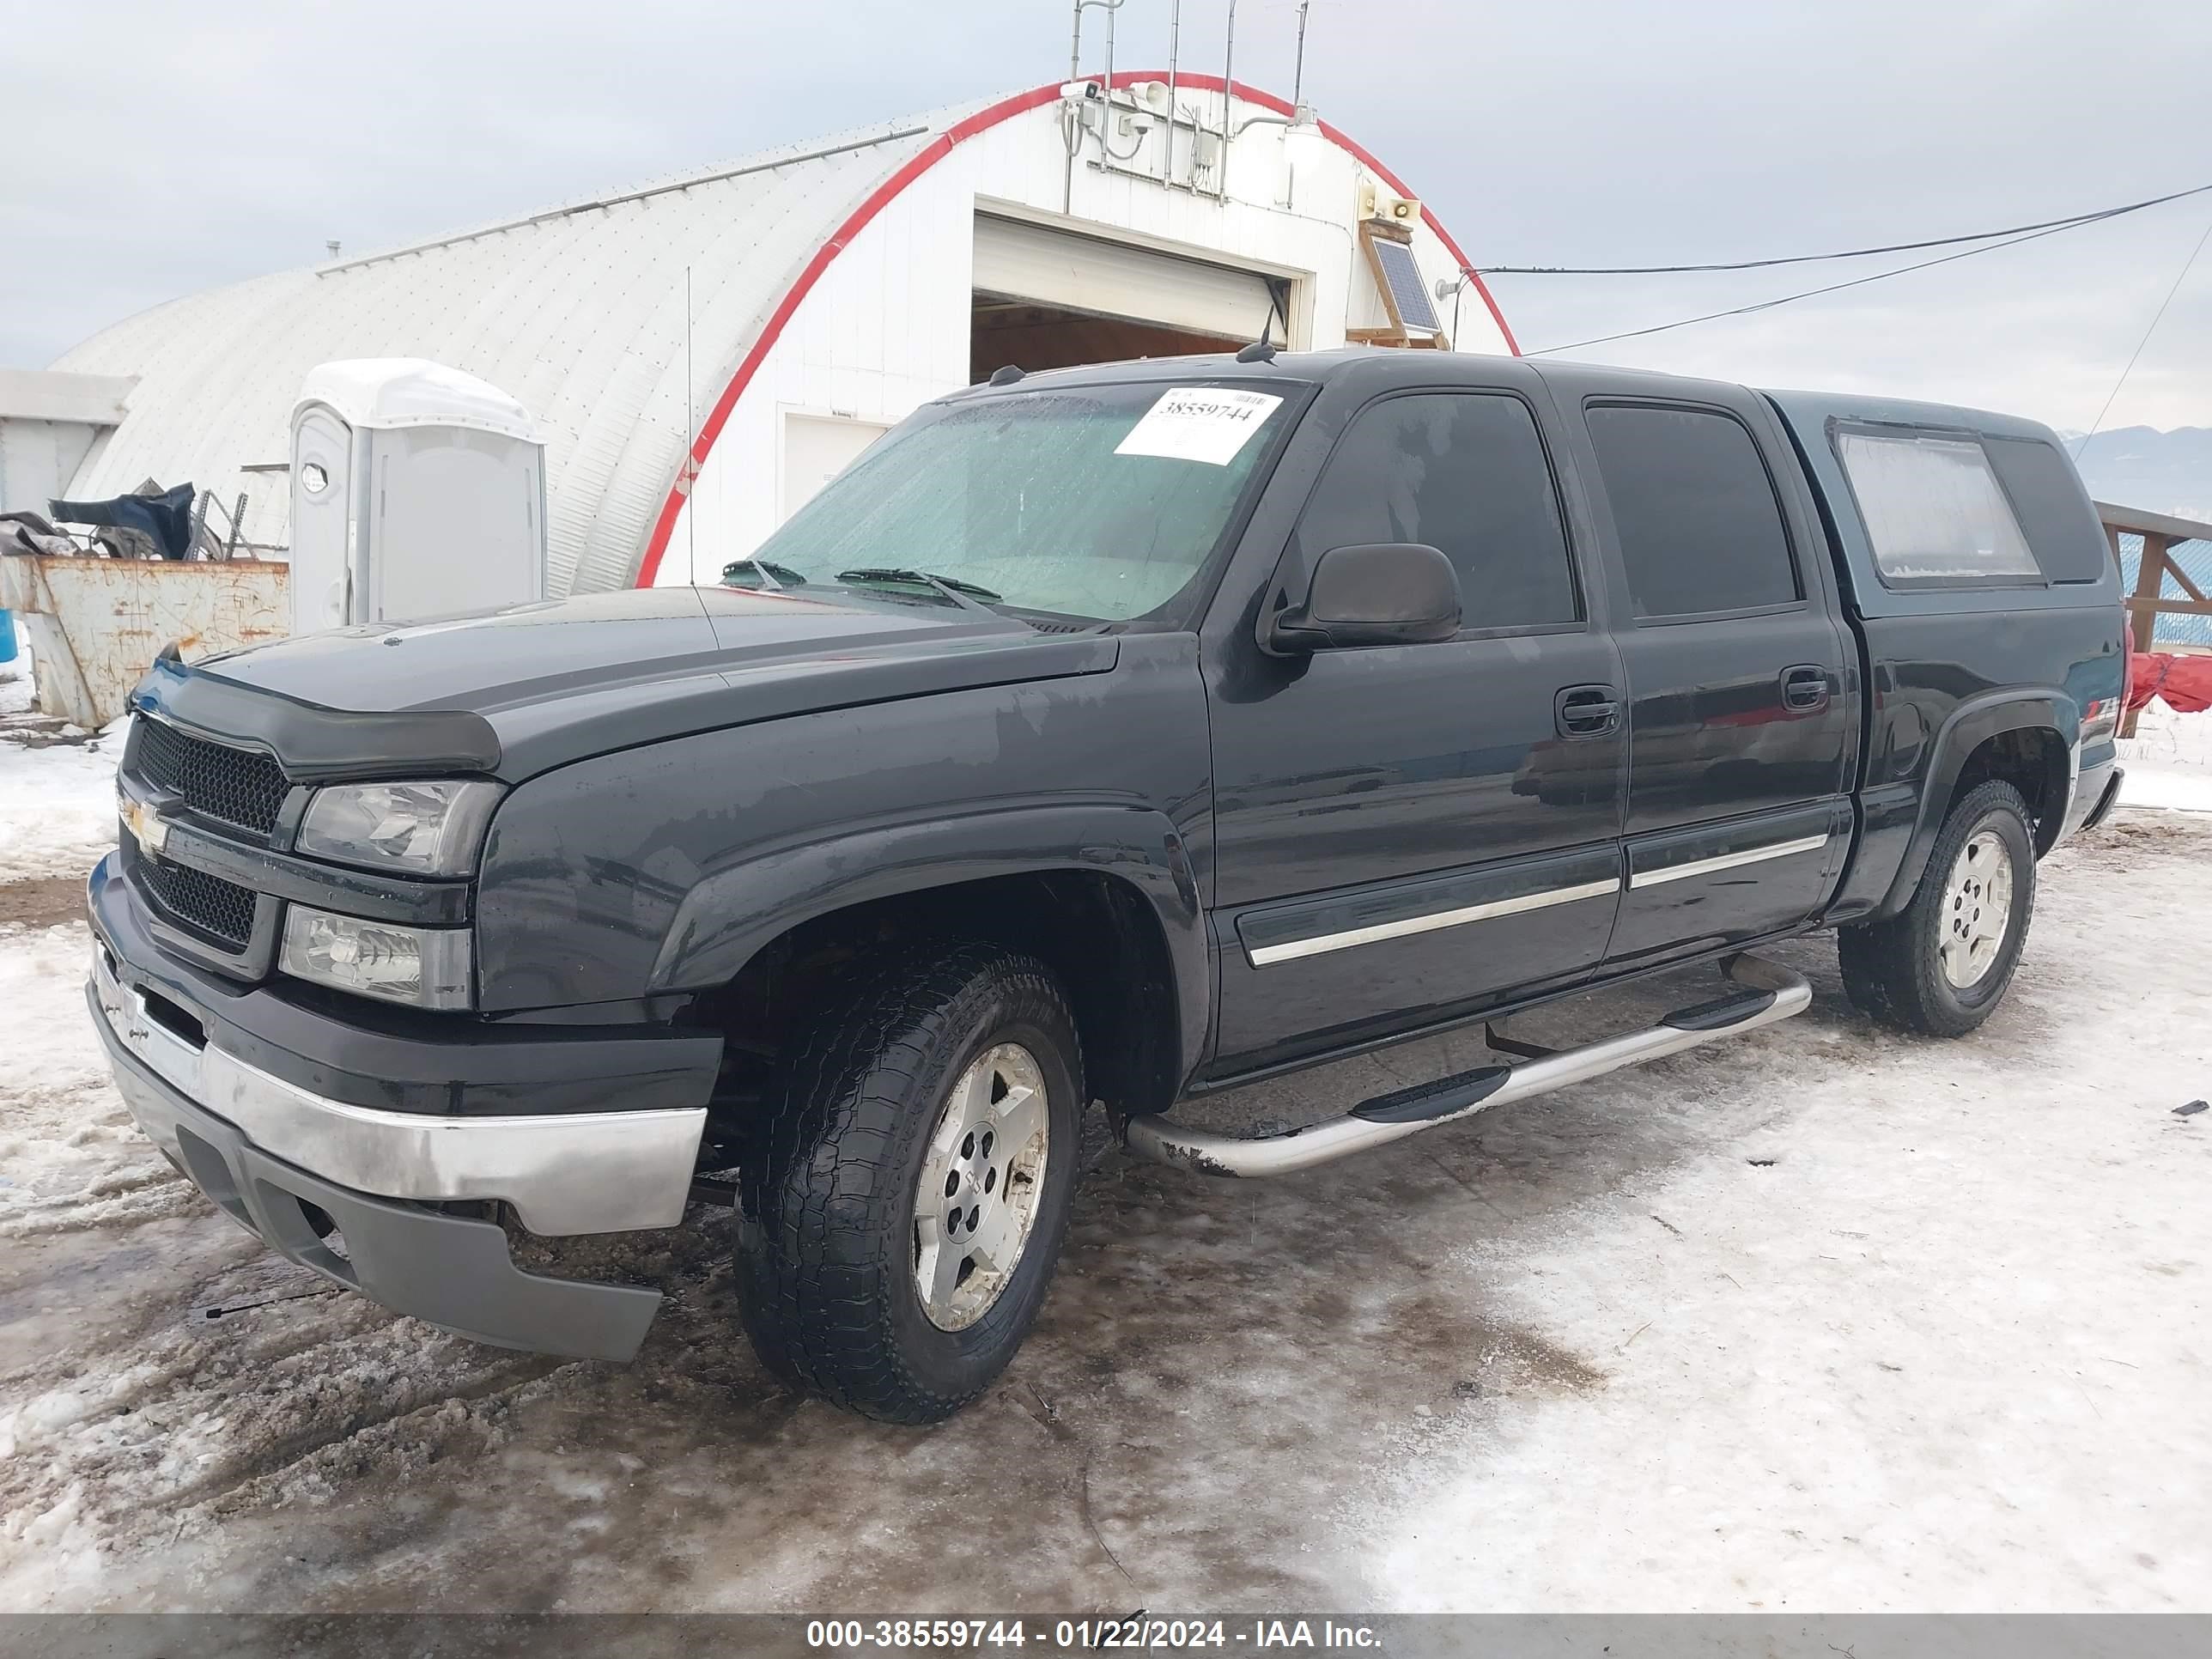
point(41, 902)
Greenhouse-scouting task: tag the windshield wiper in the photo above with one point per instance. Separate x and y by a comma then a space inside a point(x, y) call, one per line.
point(963, 594)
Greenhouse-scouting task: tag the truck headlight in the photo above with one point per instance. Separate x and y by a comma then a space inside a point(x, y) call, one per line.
point(422, 829)
point(422, 967)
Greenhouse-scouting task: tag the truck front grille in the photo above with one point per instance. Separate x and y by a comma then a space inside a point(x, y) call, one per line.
point(240, 788)
point(207, 904)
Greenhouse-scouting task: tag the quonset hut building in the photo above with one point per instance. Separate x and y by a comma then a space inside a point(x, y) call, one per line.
point(832, 287)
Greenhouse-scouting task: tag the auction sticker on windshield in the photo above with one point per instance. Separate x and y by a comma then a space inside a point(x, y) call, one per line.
point(1198, 423)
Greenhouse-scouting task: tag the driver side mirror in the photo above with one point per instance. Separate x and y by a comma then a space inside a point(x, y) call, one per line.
point(1378, 593)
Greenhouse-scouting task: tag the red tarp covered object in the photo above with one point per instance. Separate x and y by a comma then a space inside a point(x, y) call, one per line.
point(2185, 682)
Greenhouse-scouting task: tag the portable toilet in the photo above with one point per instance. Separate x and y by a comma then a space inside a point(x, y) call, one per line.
point(417, 491)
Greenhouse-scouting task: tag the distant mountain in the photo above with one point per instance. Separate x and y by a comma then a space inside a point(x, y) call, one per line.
point(2158, 471)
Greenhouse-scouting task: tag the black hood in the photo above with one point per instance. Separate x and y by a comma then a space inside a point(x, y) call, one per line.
point(517, 691)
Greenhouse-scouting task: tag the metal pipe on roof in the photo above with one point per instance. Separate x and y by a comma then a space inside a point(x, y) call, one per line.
point(1113, 11)
point(1174, 44)
point(1228, 103)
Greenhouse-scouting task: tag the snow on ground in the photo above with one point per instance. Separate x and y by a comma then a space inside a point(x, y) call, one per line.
point(56, 785)
point(1825, 1318)
point(2169, 759)
point(70, 1158)
point(56, 805)
point(1930, 1339)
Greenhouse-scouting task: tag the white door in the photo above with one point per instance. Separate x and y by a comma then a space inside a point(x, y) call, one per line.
point(323, 520)
point(456, 524)
point(1053, 267)
point(816, 449)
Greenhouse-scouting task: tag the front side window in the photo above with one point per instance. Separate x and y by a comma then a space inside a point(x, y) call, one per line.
point(1097, 502)
point(1464, 472)
point(1699, 528)
point(1934, 511)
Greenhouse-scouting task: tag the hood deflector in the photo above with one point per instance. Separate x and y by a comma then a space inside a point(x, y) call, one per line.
point(313, 742)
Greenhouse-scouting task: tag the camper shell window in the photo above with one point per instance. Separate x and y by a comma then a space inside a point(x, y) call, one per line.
point(2053, 508)
point(1934, 512)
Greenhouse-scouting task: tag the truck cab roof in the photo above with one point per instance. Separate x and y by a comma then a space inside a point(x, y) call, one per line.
point(1386, 368)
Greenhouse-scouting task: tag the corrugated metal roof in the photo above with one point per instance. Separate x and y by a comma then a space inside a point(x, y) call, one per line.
point(577, 312)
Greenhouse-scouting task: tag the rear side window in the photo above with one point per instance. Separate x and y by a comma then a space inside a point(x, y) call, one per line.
point(2052, 508)
point(1464, 472)
point(1934, 511)
point(1700, 529)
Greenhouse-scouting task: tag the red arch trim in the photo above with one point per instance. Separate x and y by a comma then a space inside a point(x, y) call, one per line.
point(664, 526)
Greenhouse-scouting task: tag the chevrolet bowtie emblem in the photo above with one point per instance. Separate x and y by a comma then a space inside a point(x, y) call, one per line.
point(147, 827)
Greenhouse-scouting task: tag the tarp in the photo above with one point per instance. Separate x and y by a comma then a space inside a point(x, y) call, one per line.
point(166, 518)
point(2184, 683)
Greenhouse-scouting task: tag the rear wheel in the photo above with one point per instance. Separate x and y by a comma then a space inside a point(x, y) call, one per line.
point(1941, 966)
point(912, 1183)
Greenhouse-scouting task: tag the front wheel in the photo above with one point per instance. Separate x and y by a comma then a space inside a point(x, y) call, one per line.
point(1941, 966)
point(913, 1182)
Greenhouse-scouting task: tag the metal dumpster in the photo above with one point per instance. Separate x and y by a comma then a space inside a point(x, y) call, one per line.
point(94, 624)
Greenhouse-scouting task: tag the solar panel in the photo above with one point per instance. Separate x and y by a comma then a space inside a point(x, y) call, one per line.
point(1409, 292)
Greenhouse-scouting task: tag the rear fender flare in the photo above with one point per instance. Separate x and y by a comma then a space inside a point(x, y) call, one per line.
point(731, 915)
point(1970, 725)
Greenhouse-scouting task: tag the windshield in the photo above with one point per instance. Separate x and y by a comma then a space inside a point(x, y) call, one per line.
point(1101, 503)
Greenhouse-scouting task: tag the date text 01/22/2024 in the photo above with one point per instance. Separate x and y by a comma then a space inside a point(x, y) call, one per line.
point(1135, 1632)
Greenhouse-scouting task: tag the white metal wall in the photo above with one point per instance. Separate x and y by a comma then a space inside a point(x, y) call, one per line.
point(886, 328)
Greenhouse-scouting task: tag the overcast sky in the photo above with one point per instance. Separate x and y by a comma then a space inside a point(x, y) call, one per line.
point(153, 149)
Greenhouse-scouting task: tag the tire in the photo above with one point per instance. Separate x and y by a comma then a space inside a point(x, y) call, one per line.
point(834, 1239)
point(1941, 966)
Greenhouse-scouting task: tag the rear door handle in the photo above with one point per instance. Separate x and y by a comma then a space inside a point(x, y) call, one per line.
point(1587, 711)
point(1805, 687)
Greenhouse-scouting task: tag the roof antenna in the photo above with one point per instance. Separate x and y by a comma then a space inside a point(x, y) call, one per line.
point(1260, 351)
point(1006, 374)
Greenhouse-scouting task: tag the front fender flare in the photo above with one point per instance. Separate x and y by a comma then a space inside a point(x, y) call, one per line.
point(731, 915)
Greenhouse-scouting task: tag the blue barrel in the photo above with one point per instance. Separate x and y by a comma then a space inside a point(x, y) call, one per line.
point(7, 637)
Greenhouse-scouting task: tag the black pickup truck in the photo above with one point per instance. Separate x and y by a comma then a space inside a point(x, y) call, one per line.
point(1100, 739)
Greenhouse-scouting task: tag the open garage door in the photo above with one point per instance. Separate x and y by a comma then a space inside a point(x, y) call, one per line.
point(1047, 298)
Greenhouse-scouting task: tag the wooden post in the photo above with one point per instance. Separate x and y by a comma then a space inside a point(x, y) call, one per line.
point(2142, 606)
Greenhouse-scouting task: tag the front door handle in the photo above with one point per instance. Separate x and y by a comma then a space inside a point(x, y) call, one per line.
point(1587, 711)
point(1805, 687)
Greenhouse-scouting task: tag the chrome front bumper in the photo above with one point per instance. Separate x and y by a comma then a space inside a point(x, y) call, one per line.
point(564, 1173)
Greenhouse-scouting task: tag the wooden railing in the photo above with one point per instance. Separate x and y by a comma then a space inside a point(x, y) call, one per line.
point(2160, 534)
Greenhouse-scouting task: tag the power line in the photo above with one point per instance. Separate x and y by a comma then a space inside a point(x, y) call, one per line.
point(1804, 293)
point(1846, 253)
point(2182, 277)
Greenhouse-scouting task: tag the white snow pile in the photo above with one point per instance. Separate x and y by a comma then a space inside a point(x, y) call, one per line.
point(57, 806)
point(56, 801)
point(2169, 761)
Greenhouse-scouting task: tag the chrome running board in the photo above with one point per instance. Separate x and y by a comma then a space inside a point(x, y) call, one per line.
point(1766, 991)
